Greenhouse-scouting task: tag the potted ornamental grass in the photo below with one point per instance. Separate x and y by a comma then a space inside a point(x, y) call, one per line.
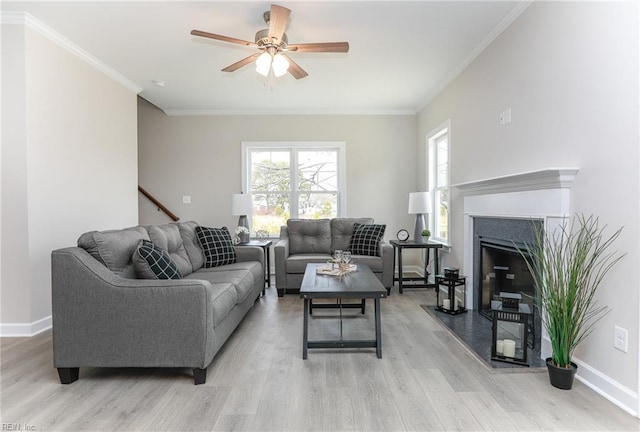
point(568, 266)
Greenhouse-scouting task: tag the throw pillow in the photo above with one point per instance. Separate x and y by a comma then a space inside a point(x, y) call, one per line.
point(366, 238)
point(152, 262)
point(217, 246)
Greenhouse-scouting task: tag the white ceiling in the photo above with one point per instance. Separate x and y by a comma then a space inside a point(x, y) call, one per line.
point(401, 53)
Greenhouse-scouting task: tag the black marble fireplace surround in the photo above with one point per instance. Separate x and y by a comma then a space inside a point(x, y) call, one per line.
point(498, 266)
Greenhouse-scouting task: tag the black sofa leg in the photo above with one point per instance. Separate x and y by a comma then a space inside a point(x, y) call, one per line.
point(280, 292)
point(199, 376)
point(68, 375)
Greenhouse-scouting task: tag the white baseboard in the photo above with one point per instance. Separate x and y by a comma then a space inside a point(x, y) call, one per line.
point(607, 387)
point(25, 330)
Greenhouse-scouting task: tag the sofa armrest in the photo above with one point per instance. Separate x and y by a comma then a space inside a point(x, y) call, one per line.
point(250, 253)
point(281, 253)
point(101, 319)
point(385, 250)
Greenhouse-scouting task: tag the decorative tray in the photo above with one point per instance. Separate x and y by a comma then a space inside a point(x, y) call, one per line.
point(328, 270)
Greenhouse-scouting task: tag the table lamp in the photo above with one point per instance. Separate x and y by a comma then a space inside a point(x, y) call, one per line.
point(419, 204)
point(241, 205)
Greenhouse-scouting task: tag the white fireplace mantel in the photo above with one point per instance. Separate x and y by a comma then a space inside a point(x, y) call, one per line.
point(548, 178)
point(542, 194)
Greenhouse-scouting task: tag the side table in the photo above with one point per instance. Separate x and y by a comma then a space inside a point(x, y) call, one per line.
point(412, 244)
point(265, 245)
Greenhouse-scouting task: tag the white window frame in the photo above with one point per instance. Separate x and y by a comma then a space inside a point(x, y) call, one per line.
point(294, 147)
point(432, 163)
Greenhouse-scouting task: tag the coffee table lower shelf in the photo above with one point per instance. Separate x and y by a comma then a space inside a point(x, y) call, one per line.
point(358, 343)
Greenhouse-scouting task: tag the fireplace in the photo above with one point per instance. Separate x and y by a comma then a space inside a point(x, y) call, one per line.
point(504, 211)
point(499, 266)
point(502, 269)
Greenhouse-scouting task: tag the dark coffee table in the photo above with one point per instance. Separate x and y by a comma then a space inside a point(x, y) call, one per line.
point(360, 284)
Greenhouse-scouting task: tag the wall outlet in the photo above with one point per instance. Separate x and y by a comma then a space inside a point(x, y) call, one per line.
point(620, 339)
point(186, 199)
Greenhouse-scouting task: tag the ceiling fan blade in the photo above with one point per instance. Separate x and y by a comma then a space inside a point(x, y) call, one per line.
point(339, 47)
point(295, 70)
point(278, 20)
point(222, 38)
point(237, 65)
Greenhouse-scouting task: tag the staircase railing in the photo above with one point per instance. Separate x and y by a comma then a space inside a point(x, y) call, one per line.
point(158, 204)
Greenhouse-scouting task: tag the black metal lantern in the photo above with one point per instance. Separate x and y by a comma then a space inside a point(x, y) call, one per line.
point(450, 294)
point(511, 334)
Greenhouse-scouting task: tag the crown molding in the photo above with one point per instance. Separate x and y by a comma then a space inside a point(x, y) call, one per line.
point(549, 178)
point(275, 112)
point(26, 19)
point(497, 30)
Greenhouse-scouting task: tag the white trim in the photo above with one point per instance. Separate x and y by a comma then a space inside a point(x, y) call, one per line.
point(549, 178)
point(502, 26)
point(289, 111)
point(25, 330)
point(26, 19)
point(607, 387)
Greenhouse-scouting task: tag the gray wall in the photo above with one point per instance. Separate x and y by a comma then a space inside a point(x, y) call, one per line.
point(69, 165)
point(200, 156)
point(569, 73)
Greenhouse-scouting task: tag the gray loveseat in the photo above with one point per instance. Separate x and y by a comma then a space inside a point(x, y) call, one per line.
point(304, 241)
point(103, 316)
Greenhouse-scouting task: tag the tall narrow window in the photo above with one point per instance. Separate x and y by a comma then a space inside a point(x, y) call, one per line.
point(293, 180)
point(438, 142)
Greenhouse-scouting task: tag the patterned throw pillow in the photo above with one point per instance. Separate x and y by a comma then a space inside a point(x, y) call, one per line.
point(152, 262)
point(217, 246)
point(366, 238)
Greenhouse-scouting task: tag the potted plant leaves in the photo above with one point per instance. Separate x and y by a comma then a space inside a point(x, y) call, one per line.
point(425, 235)
point(568, 266)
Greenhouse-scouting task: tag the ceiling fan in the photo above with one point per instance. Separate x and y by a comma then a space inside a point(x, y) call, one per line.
point(273, 44)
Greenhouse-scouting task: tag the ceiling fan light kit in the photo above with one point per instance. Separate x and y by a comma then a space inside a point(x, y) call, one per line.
point(273, 43)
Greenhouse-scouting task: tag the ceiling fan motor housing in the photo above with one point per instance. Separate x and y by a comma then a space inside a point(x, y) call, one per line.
point(263, 40)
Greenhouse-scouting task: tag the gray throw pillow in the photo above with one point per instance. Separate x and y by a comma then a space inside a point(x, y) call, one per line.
point(152, 262)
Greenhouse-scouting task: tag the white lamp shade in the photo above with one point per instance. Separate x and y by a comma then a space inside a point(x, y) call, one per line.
point(280, 65)
point(263, 63)
point(241, 204)
point(419, 203)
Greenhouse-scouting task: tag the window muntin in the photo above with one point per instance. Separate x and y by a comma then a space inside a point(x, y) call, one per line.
point(293, 180)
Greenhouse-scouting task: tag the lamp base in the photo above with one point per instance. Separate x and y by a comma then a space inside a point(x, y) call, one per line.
point(418, 227)
point(243, 221)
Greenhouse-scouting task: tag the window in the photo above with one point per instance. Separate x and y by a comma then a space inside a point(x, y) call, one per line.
point(293, 180)
point(438, 143)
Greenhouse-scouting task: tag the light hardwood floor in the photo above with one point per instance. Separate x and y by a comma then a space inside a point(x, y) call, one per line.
point(426, 380)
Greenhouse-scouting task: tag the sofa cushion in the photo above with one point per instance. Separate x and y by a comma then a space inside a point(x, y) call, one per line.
point(242, 275)
point(217, 246)
point(153, 262)
point(309, 236)
point(223, 300)
point(168, 238)
point(298, 263)
point(341, 231)
point(114, 249)
point(191, 243)
point(366, 239)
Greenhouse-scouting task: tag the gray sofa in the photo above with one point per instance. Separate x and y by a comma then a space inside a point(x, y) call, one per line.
point(304, 241)
point(103, 316)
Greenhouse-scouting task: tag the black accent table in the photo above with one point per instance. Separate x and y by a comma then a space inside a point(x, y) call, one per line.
point(265, 245)
point(413, 244)
point(359, 284)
